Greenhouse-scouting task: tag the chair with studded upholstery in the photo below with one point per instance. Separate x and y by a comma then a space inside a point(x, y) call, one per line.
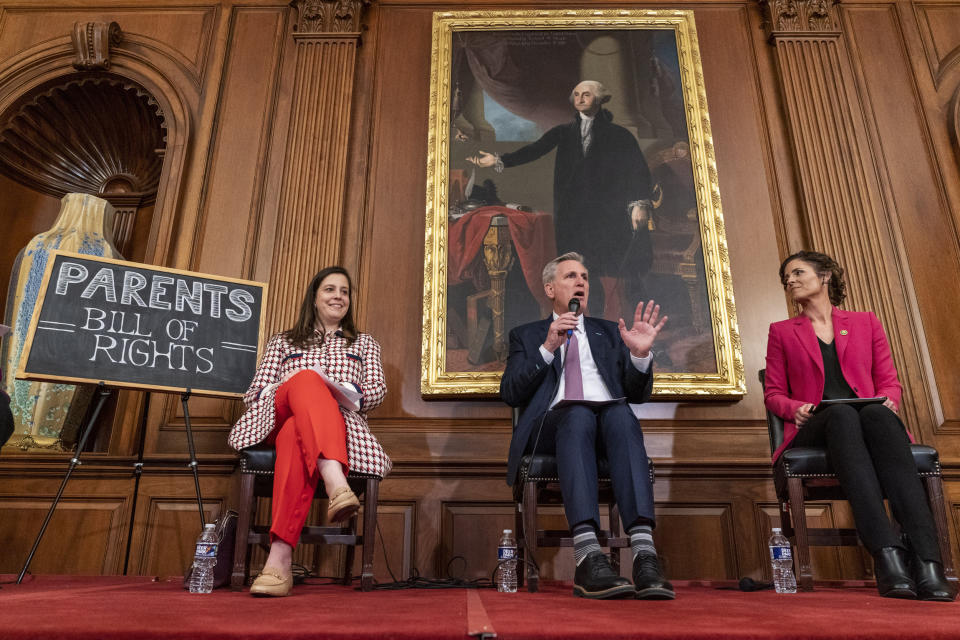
point(538, 484)
point(256, 481)
point(804, 473)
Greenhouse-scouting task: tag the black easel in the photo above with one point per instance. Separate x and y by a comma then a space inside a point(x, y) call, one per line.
point(193, 455)
point(102, 394)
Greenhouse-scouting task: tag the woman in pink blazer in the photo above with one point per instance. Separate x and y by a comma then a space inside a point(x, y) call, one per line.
point(826, 353)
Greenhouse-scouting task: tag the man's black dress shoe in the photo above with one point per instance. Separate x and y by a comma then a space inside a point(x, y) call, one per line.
point(893, 576)
point(595, 578)
point(931, 583)
point(649, 580)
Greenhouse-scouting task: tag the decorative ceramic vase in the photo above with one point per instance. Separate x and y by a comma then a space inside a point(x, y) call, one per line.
point(44, 411)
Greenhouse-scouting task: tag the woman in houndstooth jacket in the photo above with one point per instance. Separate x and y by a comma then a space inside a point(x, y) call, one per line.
point(290, 406)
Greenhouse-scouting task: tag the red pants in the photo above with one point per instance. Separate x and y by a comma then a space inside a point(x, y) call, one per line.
point(310, 427)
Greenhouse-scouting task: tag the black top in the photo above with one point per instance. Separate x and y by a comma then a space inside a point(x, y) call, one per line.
point(835, 387)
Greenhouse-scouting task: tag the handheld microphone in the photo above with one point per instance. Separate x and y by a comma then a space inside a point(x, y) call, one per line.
point(573, 305)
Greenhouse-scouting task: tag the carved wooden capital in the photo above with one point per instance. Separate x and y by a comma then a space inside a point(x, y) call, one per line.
point(329, 16)
point(91, 42)
point(800, 17)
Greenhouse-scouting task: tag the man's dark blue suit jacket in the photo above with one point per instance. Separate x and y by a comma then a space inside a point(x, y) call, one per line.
point(529, 382)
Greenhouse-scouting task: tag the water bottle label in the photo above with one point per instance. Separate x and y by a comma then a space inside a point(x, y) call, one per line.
point(507, 553)
point(206, 550)
point(781, 553)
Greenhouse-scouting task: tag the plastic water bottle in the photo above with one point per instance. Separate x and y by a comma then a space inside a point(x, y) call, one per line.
point(781, 561)
point(507, 563)
point(204, 560)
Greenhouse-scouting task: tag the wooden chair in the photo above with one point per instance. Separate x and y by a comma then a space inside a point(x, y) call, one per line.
point(538, 483)
point(256, 481)
point(805, 473)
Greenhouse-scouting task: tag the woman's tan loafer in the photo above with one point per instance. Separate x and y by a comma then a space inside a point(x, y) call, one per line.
point(271, 582)
point(343, 504)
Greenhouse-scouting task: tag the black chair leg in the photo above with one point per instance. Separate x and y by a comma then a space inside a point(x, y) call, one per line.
point(614, 533)
point(370, 498)
point(934, 487)
point(241, 546)
point(521, 544)
point(350, 552)
point(530, 534)
point(798, 514)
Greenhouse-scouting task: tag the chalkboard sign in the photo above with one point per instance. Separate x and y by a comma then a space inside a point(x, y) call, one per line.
point(140, 326)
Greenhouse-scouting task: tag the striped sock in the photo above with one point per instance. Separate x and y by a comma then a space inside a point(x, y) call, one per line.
point(584, 541)
point(641, 540)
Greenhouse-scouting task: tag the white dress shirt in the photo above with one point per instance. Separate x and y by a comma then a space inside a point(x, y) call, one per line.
point(594, 387)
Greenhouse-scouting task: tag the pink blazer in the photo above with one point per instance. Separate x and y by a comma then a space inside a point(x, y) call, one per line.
point(795, 367)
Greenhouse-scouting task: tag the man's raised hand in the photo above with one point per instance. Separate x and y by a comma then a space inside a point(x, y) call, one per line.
point(647, 323)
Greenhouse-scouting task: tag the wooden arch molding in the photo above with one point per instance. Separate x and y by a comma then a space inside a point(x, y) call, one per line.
point(953, 120)
point(90, 133)
point(143, 62)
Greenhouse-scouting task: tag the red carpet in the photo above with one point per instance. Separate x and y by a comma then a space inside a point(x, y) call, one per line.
point(50, 607)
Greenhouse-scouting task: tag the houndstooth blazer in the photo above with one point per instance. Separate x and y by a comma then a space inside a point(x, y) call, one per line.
point(358, 363)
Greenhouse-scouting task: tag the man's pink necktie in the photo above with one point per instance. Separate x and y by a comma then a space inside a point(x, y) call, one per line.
point(572, 377)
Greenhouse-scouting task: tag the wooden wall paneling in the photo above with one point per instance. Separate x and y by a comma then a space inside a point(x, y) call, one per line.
point(431, 490)
point(356, 233)
point(939, 24)
point(312, 195)
point(829, 563)
point(791, 233)
point(121, 435)
point(186, 29)
point(210, 420)
point(469, 535)
point(396, 525)
point(256, 38)
point(937, 43)
point(708, 528)
point(167, 523)
point(706, 522)
point(231, 198)
point(951, 494)
point(87, 533)
point(24, 213)
point(913, 159)
point(757, 197)
point(396, 522)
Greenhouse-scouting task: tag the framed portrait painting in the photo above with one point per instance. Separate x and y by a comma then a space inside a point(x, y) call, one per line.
point(573, 130)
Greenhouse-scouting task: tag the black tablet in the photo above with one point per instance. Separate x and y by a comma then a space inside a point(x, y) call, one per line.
point(856, 402)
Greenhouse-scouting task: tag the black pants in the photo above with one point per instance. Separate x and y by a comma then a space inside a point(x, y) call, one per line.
point(869, 449)
point(576, 435)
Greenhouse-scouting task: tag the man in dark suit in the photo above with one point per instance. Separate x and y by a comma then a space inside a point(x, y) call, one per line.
point(594, 368)
point(601, 191)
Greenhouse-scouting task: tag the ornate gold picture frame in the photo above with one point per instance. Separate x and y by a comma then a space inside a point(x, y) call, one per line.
point(504, 194)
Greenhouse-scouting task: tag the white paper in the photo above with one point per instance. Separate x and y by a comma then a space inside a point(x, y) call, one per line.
point(345, 395)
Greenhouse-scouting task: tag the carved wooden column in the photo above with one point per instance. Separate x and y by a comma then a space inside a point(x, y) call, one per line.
point(845, 215)
point(312, 196)
point(498, 257)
